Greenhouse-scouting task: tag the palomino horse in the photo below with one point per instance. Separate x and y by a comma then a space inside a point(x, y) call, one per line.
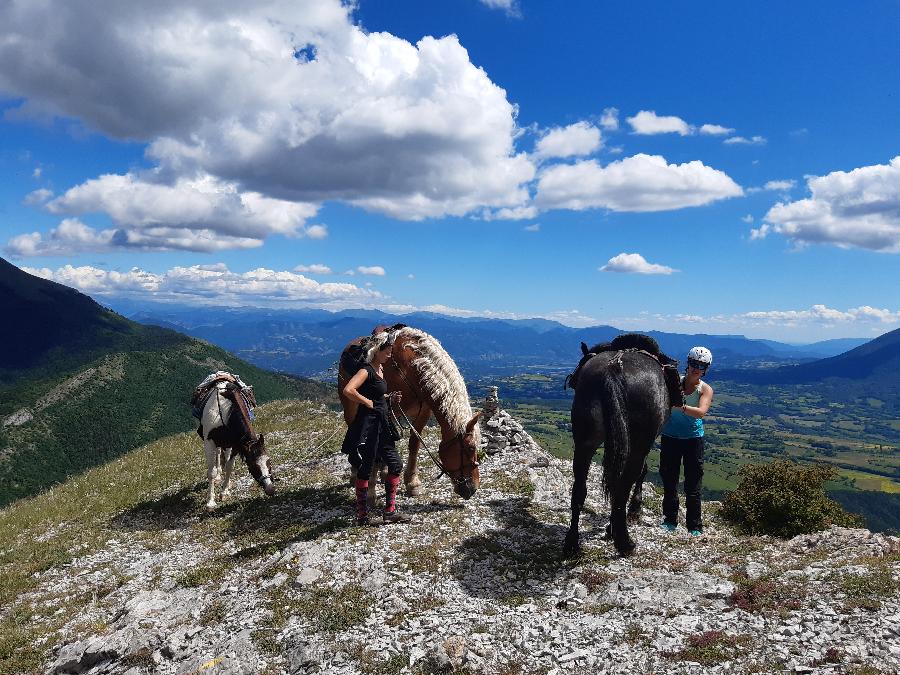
point(226, 430)
point(621, 401)
point(431, 383)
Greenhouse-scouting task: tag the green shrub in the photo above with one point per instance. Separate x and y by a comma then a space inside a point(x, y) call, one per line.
point(785, 499)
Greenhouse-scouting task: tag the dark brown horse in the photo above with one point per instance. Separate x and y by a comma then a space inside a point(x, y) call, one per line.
point(431, 384)
point(621, 401)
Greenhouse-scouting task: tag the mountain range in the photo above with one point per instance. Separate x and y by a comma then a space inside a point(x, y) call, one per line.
point(307, 342)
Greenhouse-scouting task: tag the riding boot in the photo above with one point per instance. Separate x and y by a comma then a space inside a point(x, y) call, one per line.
point(362, 505)
point(391, 515)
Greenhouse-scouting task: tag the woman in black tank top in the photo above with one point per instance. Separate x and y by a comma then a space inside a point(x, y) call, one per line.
point(368, 439)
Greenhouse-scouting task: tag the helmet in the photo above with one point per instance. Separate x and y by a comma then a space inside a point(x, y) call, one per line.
point(700, 357)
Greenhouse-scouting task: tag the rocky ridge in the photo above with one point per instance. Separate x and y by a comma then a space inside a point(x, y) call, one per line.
point(288, 585)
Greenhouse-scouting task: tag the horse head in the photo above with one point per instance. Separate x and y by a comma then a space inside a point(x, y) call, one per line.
point(459, 459)
point(259, 464)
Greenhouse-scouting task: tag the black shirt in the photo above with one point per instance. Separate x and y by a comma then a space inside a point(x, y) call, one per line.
point(374, 388)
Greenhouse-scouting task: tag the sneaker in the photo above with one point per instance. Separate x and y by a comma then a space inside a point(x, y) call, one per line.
point(395, 517)
point(696, 533)
point(668, 527)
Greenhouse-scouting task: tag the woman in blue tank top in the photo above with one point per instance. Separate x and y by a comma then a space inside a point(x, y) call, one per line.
point(682, 442)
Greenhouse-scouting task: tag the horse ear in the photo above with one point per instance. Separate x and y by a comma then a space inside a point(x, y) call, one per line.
point(473, 422)
point(584, 349)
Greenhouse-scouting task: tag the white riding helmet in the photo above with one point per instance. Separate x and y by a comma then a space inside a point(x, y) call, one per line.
point(700, 355)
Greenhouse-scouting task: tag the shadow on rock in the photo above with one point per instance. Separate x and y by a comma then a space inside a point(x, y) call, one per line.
point(516, 561)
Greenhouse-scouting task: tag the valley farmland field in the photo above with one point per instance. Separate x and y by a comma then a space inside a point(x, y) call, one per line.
point(858, 434)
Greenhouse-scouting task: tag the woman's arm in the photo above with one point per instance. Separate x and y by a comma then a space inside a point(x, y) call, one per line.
point(698, 411)
point(350, 389)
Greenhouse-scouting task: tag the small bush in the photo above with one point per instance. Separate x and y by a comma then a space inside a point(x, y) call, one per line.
point(785, 499)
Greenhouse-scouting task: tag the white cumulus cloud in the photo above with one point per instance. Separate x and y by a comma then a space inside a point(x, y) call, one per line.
point(638, 183)
point(371, 270)
point(647, 123)
point(581, 138)
point(858, 208)
point(715, 130)
point(38, 196)
point(827, 315)
point(315, 268)
point(634, 263)
point(780, 185)
point(740, 140)
point(293, 101)
point(610, 119)
point(210, 285)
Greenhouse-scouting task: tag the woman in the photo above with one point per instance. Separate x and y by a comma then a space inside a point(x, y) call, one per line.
point(682, 442)
point(368, 439)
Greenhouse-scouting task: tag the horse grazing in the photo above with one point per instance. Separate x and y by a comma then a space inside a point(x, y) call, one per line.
point(227, 430)
point(431, 384)
point(622, 400)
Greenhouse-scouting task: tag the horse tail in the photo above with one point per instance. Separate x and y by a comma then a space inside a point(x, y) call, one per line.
point(617, 443)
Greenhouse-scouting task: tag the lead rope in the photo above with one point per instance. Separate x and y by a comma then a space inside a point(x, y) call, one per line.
point(412, 430)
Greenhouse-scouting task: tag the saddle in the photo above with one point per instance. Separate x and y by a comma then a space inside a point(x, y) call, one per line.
point(634, 342)
point(203, 390)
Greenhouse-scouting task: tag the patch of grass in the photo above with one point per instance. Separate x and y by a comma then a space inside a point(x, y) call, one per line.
point(207, 573)
point(634, 634)
point(598, 609)
point(765, 594)
point(594, 578)
point(867, 590)
point(214, 613)
point(423, 558)
point(371, 663)
point(711, 647)
point(334, 609)
point(514, 484)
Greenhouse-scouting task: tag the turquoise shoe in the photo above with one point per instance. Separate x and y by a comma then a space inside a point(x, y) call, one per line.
point(696, 533)
point(668, 527)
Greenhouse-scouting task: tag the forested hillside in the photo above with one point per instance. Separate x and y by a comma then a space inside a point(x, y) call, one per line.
point(80, 385)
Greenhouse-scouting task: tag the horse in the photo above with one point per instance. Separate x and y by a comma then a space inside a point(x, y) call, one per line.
point(622, 400)
point(227, 430)
point(431, 384)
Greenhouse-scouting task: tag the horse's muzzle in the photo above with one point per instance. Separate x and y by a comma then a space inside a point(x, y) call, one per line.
point(268, 486)
point(465, 488)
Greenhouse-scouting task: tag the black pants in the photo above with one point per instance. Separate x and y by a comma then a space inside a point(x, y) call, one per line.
point(673, 452)
point(368, 441)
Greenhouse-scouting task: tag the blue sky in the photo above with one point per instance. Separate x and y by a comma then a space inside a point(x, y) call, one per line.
point(701, 168)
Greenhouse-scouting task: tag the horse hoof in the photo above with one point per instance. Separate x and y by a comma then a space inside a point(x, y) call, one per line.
point(626, 549)
point(210, 506)
point(571, 547)
point(413, 490)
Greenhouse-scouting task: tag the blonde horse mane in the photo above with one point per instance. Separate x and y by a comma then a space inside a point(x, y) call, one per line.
point(440, 377)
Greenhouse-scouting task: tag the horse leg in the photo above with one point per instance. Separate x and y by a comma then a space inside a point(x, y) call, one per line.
point(212, 470)
point(637, 496)
point(635, 468)
point(581, 466)
point(228, 455)
point(411, 473)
